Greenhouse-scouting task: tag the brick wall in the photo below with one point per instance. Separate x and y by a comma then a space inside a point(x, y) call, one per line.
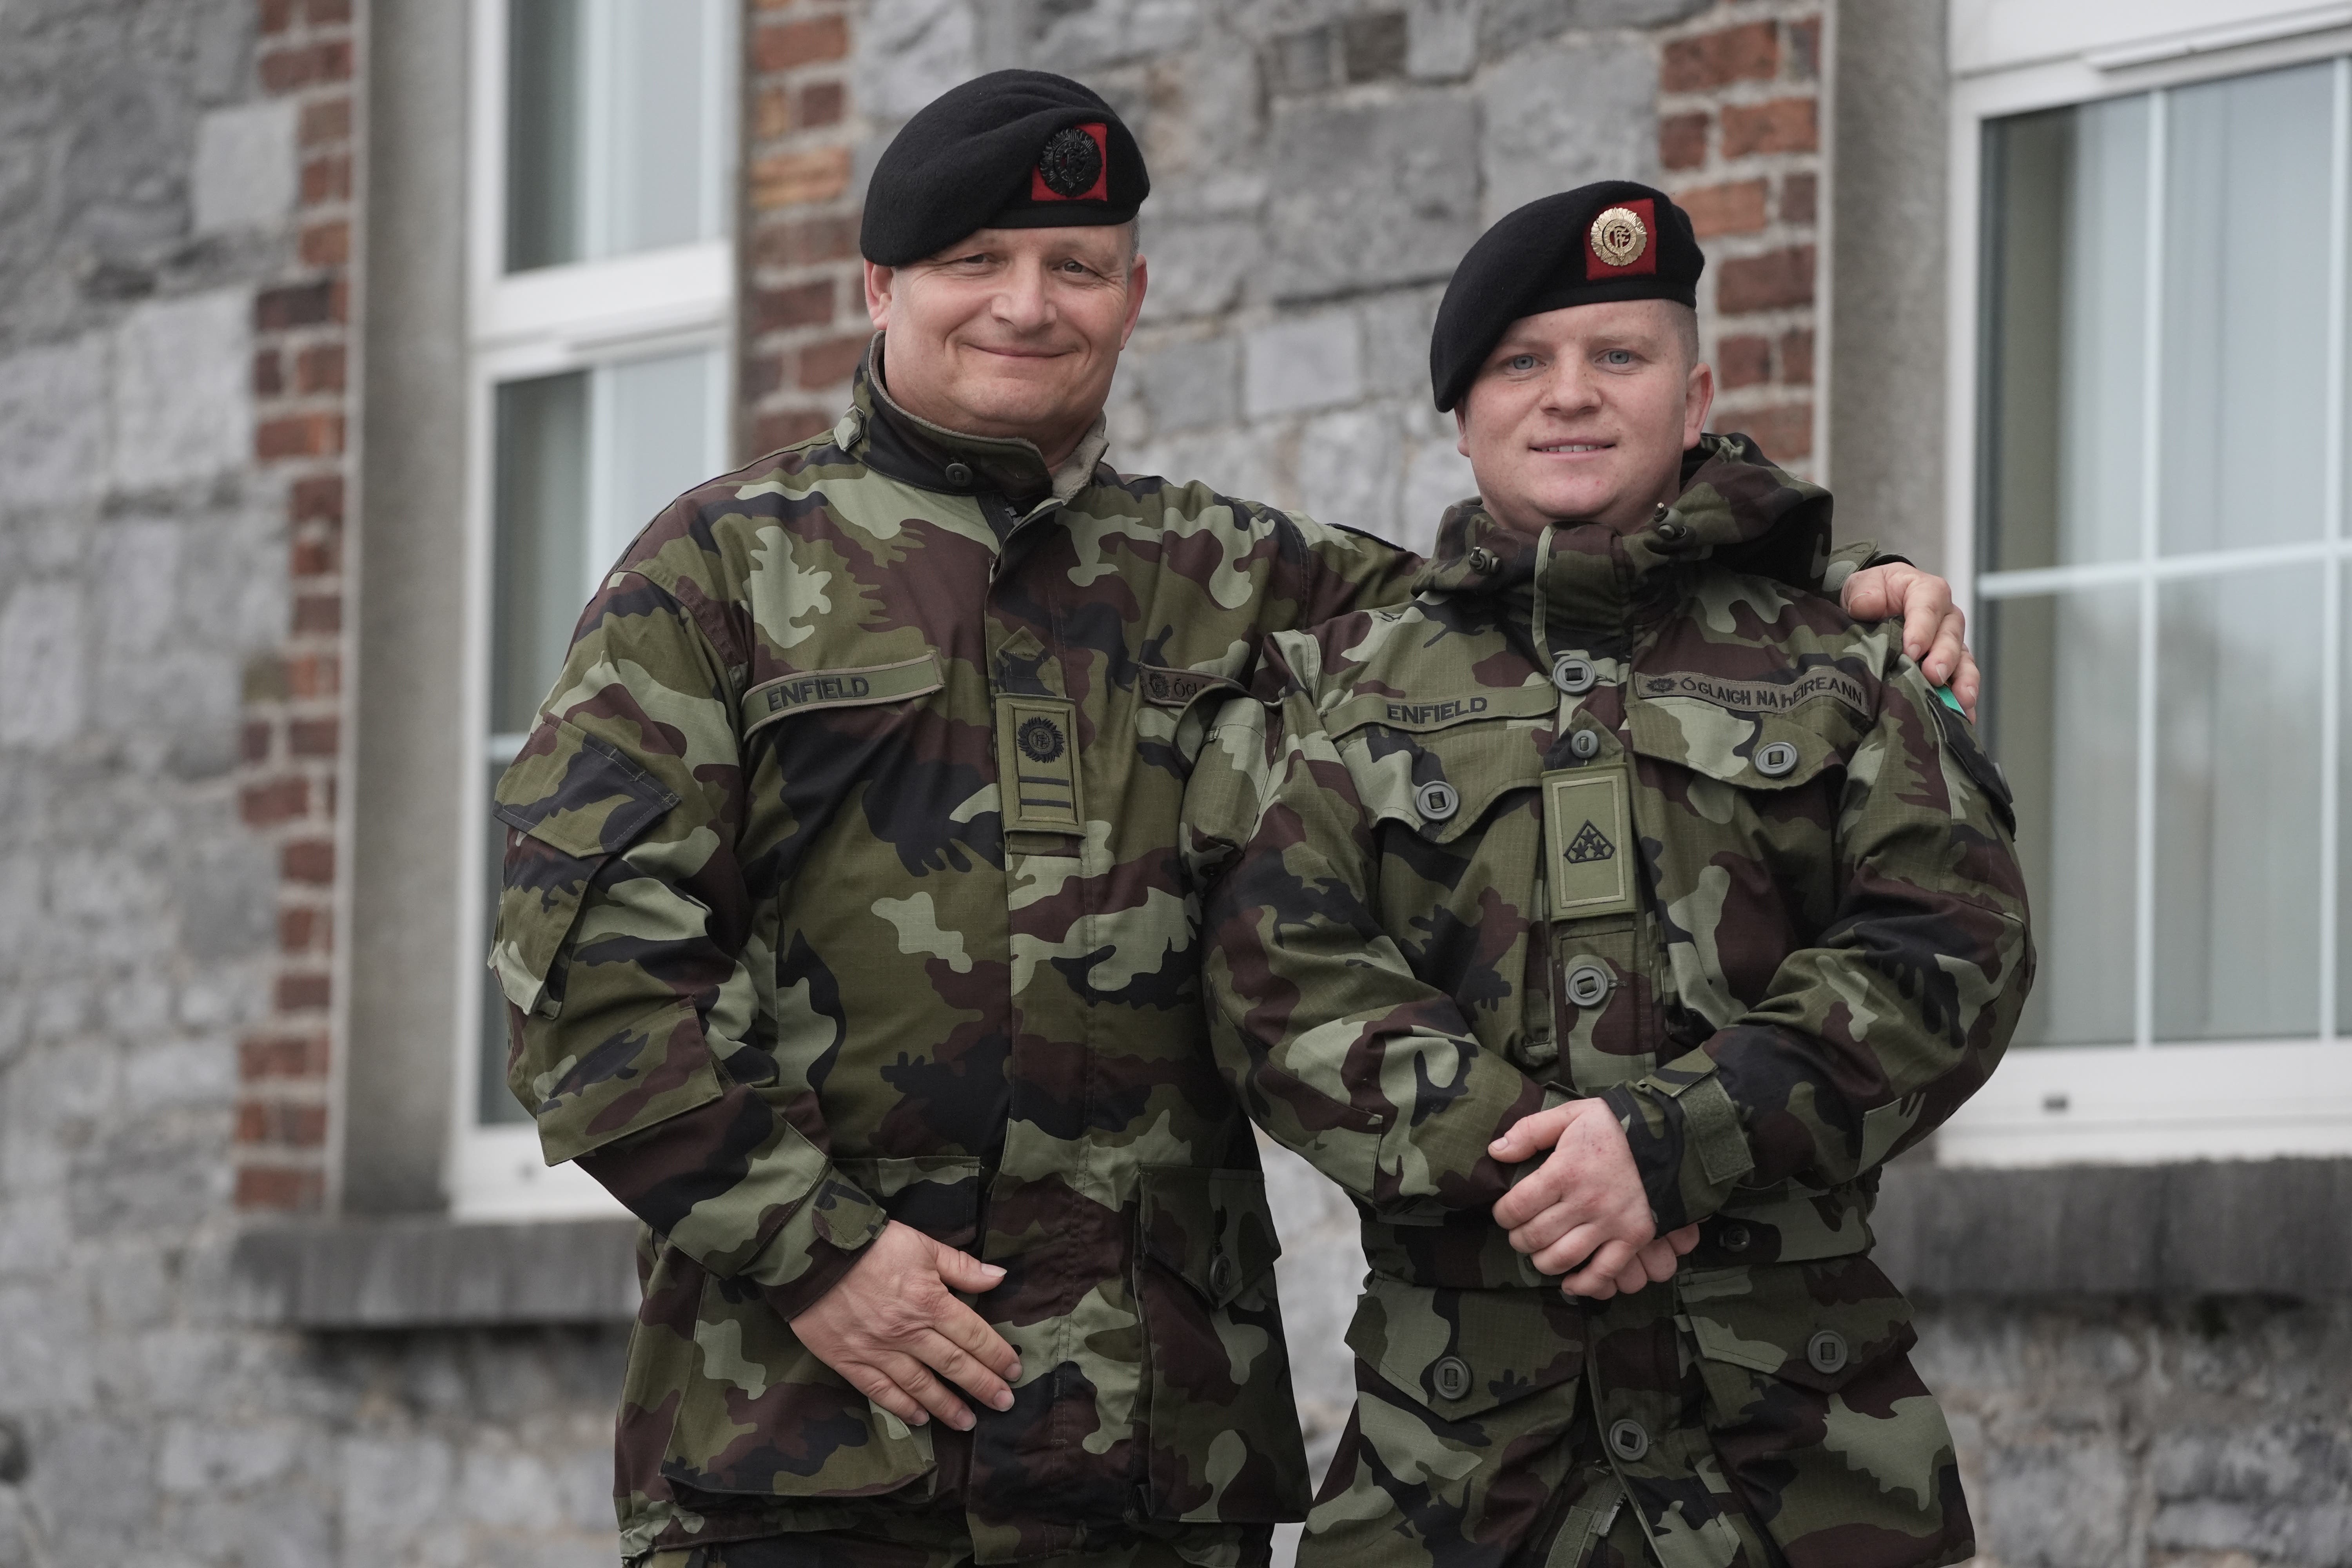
point(1739, 139)
point(292, 729)
point(804, 323)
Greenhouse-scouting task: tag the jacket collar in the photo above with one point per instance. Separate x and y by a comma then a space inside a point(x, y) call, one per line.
point(1736, 510)
point(906, 446)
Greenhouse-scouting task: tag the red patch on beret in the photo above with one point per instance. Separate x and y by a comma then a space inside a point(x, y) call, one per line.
point(1039, 191)
point(1642, 263)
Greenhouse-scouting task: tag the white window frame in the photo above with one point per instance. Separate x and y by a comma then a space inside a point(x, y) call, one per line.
point(547, 321)
point(2143, 1102)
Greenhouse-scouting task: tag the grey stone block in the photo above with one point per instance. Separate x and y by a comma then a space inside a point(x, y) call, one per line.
point(42, 665)
point(1565, 114)
point(1368, 195)
point(181, 390)
point(1396, 327)
point(1313, 361)
point(244, 176)
point(1441, 39)
point(1188, 385)
point(383, 1274)
point(1348, 468)
point(53, 425)
point(910, 52)
point(1199, 265)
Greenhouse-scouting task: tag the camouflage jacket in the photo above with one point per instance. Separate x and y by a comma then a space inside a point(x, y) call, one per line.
point(1620, 815)
point(842, 884)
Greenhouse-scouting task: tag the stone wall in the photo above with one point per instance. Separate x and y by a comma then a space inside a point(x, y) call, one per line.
point(181, 182)
point(172, 208)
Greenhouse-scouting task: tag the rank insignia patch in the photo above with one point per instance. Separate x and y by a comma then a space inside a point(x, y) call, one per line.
point(1587, 815)
point(1074, 166)
point(1036, 764)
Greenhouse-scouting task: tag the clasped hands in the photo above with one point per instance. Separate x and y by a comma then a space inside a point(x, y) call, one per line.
point(1582, 1212)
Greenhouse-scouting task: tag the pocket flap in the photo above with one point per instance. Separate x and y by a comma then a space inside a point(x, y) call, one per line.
point(1814, 1324)
point(1211, 1228)
point(1464, 1352)
point(1741, 748)
point(572, 800)
point(578, 794)
point(1479, 764)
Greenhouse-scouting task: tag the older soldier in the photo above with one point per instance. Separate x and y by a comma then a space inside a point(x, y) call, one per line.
point(845, 937)
point(1612, 843)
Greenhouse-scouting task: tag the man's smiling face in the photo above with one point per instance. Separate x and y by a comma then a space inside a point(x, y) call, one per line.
point(1014, 331)
point(1583, 414)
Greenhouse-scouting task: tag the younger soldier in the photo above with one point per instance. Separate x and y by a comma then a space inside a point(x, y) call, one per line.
point(1608, 820)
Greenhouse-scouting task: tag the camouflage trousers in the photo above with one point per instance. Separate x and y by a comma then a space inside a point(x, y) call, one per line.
point(911, 1540)
point(1492, 1429)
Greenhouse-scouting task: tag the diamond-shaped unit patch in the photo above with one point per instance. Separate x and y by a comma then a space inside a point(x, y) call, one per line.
point(1589, 845)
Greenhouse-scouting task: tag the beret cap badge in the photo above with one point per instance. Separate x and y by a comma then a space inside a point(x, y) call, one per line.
point(1619, 237)
point(1071, 164)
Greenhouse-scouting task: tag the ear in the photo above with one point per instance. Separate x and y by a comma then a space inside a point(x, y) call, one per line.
point(1462, 425)
point(1139, 278)
point(879, 281)
point(1698, 400)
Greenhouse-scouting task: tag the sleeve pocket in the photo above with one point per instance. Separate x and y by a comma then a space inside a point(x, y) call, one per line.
point(569, 803)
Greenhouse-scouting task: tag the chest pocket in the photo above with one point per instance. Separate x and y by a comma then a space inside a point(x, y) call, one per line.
point(1720, 788)
point(1458, 824)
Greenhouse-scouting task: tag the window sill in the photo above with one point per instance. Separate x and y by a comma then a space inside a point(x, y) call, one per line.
point(2267, 1227)
point(433, 1272)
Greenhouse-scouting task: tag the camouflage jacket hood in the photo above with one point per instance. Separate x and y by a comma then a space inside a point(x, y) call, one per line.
point(1610, 817)
point(1737, 511)
point(842, 886)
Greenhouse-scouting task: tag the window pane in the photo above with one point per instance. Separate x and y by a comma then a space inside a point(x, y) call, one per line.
point(2065, 343)
point(618, 127)
point(584, 460)
point(543, 132)
point(2237, 818)
point(662, 423)
point(2061, 714)
point(2245, 258)
point(540, 573)
point(659, 142)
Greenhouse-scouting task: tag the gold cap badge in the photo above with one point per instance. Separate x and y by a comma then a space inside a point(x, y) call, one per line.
point(1618, 237)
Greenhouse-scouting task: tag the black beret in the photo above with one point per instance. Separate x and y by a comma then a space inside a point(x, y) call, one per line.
point(1616, 240)
point(1014, 149)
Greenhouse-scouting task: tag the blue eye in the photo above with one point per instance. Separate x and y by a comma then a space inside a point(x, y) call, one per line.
point(1619, 356)
point(1520, 362)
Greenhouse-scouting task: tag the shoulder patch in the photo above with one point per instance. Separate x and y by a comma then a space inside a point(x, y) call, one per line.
point(1779, 693)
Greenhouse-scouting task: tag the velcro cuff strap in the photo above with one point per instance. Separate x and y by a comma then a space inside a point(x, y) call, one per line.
point(1711, 1130)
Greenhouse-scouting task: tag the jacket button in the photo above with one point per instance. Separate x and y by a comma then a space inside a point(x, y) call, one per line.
point(1221, 1276)
point(1588, 984)
point(1481, 560)
point(1734, 1237)
point(1584, 745)
point(1437, 800)
point(1777, 760)
point(1826, 1352)
point(1451, 1376)
point(1627, 1440)
point(1573, 675)
point(1674, 533)
point(959, 473)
